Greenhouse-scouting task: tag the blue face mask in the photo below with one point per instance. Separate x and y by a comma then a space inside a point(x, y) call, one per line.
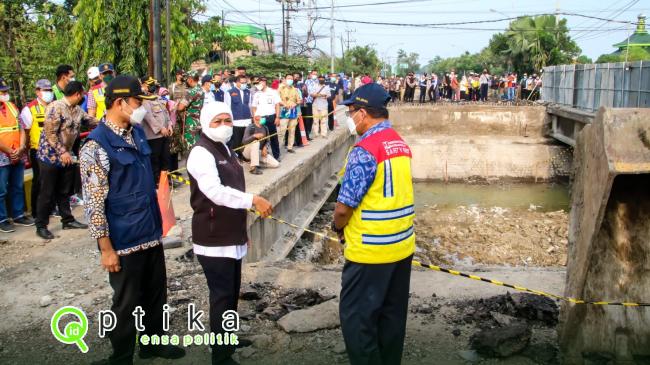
point(244, 86)
point(212, 88)
point(263, 120)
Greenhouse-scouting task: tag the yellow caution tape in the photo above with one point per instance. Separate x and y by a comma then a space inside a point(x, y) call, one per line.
point(455, 272)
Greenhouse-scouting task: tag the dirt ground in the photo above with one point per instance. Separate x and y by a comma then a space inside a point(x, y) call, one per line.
point(37, 278)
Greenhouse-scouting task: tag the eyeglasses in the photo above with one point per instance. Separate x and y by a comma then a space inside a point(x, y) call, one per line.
point(349, 113)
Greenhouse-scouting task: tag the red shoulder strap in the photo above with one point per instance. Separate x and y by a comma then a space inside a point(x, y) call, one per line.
point(385, 145)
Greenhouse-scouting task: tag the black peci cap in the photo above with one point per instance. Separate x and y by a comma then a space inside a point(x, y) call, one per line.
point(124, 86)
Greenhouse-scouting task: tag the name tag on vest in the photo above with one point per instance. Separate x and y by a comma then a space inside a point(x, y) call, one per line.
point(223, 162)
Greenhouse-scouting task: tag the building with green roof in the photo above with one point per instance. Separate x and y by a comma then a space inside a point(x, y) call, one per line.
point(640, 38)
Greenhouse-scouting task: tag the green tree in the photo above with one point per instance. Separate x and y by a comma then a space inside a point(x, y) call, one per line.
point(635, 54)
point(273, 65)
point(32, 33)
point(360, 60)
point(531, 43)
point(584, 60)
point(407, 62)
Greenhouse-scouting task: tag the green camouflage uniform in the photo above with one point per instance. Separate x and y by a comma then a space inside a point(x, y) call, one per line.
point(192, 125)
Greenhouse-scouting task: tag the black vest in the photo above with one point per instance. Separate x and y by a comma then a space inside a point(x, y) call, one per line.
point(215, 225)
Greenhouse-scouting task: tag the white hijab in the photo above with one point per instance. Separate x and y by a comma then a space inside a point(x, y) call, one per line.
point(208, 113)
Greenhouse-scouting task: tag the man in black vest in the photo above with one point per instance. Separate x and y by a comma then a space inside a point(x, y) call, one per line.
point(124, 218)
point(219, 201)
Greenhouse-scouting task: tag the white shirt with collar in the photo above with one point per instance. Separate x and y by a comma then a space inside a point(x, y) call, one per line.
point(202, 166)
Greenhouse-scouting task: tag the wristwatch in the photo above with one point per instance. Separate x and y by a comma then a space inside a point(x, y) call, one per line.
point(336, 230)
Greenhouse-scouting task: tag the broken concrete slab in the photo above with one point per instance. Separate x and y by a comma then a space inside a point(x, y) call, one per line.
point(321, 316)
point(502, 341)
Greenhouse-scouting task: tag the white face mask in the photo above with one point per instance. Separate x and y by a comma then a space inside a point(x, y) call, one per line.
point(5, 98)
point(137, 115)
point(349, 122)
point(220, 134)
point(47, 96)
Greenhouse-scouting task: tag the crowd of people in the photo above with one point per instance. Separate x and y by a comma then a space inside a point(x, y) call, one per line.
point(470, 86)
point(46, 134)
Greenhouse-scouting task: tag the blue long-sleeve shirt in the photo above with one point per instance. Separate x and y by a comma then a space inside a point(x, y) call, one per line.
point(360, 170)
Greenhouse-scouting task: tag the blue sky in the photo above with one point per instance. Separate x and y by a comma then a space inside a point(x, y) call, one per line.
point(594, 37)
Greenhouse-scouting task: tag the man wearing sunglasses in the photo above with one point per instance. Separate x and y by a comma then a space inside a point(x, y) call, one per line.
point(374, 216)
point(220, 202)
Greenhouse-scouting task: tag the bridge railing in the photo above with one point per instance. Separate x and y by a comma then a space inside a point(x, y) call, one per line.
point(588, 87)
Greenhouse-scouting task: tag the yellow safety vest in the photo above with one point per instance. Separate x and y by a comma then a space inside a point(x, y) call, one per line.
point(100, 101)
point(38, 118)
point(381, 228)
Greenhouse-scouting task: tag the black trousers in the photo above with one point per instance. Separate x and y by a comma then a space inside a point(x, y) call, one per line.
point(373, 308)
point(237, 137)
point(432, 94)
point(173, 162)
point(224, 281)
point(484, 92)
point(330, 116)
point(142, 281)
point(423, 94)
point(308, 118)
point(159, 156)
point(36, 180)
point(56, 187)
point(273, 141)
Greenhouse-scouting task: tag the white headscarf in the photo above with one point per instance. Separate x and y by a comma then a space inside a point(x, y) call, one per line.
point(208, 113)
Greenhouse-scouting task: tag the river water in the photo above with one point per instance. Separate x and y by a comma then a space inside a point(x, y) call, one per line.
point(546, 197)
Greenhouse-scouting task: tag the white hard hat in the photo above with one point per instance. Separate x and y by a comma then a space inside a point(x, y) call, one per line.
point(93, 72)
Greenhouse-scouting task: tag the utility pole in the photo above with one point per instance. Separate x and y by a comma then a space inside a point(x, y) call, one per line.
point(332, 55)
point(155, 42)
point(348, 31)
point(284, 30)
point(223, 51)
point(310, 30)
point(168, 37)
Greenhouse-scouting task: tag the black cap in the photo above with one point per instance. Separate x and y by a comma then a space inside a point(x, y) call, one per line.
point(370, 95)
point(206, 78)
point(3, 85)
point(124, 86)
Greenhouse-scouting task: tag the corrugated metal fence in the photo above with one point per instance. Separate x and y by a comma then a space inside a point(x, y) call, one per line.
point(588, 87)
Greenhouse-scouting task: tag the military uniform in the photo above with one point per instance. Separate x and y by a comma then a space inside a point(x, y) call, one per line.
point(191, 126)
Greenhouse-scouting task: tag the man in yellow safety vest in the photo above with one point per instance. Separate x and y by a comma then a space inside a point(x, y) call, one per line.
point(96, 98)
point(33, 116)
point(374, 217)
point(12, 168)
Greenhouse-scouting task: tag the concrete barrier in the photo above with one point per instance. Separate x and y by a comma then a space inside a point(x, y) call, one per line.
point(480, 142)
point(474, 120)
point(609, 245)
point(297, 190)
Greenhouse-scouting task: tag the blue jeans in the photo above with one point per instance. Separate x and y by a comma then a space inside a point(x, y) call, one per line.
point(12, 183)
point(511, 93)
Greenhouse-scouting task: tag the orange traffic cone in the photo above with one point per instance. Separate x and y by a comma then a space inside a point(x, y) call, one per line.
point(165, 203)
point(303, 134)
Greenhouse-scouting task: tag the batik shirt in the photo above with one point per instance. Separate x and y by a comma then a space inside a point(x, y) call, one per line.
point(192, 127)
point(360, 170)
point(95, 168)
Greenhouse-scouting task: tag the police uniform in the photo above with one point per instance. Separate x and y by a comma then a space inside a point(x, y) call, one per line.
point(379, 239)
point(154, 121)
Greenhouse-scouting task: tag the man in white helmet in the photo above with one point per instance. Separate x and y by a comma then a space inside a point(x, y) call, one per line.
point(220, 202)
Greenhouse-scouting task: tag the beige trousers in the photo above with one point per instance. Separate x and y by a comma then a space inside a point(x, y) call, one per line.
point(320, 121)
point(253, 153)
point(289, 124)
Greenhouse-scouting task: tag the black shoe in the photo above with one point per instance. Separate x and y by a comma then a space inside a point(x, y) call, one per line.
point(55, 213)
point(162, 351)
point(291, 151)
point(242, 342)
point(7, 227)
point(24, 221)
point(256, 171)
point(74, 225)
point(101, 362)
point(228, 361)
point(44, 233)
